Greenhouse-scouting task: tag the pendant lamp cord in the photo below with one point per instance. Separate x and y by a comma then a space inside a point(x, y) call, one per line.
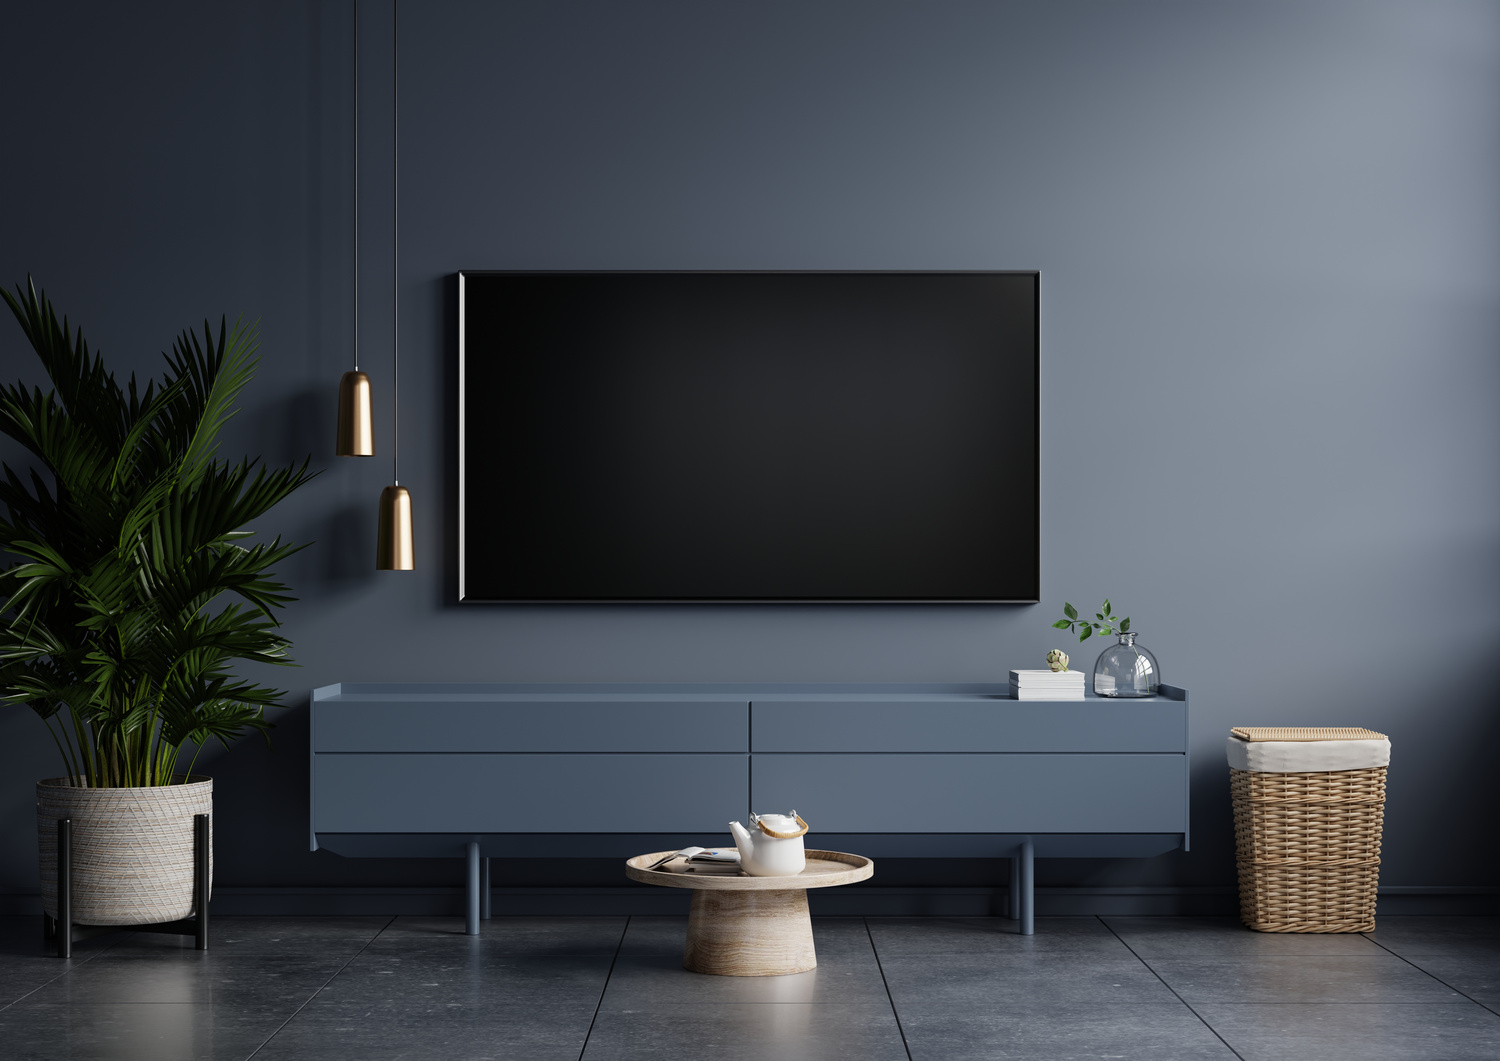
point(395, 252)
point(356, 185)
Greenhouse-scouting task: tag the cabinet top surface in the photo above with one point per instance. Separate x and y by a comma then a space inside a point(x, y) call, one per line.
point(657, 692)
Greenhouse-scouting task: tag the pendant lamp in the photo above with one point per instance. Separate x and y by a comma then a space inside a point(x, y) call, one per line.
point(393, 548)
point(356, 433)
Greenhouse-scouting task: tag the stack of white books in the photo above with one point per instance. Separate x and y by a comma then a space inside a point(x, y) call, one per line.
point(1046, 685)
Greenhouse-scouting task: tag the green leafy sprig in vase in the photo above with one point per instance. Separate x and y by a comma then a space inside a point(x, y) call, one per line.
point(1103, 622)
point(1124, 669)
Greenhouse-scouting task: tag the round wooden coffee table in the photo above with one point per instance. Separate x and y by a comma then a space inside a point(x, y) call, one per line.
point(739, 925)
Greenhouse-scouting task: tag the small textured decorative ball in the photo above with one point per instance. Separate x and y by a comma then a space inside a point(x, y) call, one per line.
point(1057, 659)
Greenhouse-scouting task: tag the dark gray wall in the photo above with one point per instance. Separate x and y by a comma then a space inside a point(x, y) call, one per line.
point(1269, 240)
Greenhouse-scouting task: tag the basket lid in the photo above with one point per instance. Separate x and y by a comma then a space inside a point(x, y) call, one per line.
point(1303, 733)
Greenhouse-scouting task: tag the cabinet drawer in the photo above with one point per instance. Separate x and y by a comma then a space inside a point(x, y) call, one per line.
point(528, 793)
point(541, 725)
point(967, 793)
point(994, 725)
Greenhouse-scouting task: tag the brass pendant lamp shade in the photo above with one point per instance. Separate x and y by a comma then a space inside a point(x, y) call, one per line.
point(393, 550)
point(356, 436)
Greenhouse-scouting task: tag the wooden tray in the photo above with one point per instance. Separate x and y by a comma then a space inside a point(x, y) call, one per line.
point(825, 869)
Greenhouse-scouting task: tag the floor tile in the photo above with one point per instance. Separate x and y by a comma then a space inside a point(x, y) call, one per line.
point(470, 984)
point(747, 1032)
point(1477, 937)
point(664, 937)
point(27, 962)
point(1313, 978)
point(975, 981)
point(910, 936)
point(17, 984)
point(656, 982)
point(654, 937)
point(21, 937)
point(1226, 937)
point(515, 935)
point(1475, 975)
point(1415, 928)
point(22, 976)
point(324, 936)
point(1161, 1032)
point(1415, 949)
point(1463, 1032)
point(126, 1032)
point(521, 1033)
point(266, 981)
point(965, 988)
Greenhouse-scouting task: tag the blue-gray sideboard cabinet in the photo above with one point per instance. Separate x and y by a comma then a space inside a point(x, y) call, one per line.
point(595, 771)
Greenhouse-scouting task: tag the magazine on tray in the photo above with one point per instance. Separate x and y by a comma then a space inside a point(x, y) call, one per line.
point(699, 858)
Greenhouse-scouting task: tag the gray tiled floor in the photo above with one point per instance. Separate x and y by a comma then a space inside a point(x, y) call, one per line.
point(612, 989)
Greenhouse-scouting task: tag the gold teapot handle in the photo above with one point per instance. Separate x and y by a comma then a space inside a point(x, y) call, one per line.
point(783, 836)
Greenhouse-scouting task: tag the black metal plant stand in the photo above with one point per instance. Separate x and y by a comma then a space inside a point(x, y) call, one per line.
point(67, 933)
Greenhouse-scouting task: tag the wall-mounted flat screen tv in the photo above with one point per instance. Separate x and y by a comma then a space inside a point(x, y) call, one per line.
point(748, 436)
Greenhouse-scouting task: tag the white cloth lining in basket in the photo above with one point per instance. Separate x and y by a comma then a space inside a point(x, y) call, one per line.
point(1296, 757)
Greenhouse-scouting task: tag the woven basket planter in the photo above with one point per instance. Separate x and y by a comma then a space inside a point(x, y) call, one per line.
point(132, 849)
point(1308, 847)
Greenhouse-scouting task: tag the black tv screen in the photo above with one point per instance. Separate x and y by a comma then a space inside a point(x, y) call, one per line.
point(748, 436)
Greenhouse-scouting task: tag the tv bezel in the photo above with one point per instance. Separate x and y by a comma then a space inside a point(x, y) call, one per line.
point(1036, 501)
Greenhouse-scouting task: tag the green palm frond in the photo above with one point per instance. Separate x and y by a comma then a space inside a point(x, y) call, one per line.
point(120, 617)
point(88, 393)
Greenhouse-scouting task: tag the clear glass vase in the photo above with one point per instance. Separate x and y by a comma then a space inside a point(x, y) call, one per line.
point(1126, 669)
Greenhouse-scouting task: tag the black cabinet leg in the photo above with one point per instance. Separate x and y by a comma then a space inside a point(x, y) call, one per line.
point(1028, 889)
point(201, 854)
point(65, 887)
point(471, 889)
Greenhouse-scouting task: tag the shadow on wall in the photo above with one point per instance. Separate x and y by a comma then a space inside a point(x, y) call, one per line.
point(350, 556)
point(1430, 796)
point(30, 757)
point(306, 425)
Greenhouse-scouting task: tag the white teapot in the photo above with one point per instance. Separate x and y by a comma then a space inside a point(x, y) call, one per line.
point(775, 848)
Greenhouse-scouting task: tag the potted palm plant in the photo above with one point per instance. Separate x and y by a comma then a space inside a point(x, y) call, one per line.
point(130, 593)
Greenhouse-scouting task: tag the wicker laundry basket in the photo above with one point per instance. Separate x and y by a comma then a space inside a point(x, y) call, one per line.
point(1308, 842)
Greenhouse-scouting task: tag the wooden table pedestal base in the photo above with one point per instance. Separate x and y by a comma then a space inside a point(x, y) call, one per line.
point(749, 933)
point(740, 925)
